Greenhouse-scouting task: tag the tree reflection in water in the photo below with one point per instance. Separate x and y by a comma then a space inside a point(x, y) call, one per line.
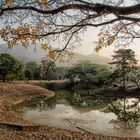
point(127, 111)
point(89, 100)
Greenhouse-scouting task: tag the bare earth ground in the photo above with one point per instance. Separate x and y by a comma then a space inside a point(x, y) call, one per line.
point(11, 93)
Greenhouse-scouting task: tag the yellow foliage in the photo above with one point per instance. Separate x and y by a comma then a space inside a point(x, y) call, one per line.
point(110, 40)
point(105, 39)
point(61, 60)
point(108, 37)
point(45, 46)
point(45, 1)
point(22, 34)
point(10, 3)
point(52, 55)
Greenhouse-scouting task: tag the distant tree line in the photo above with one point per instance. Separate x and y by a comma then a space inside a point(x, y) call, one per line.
point(12, 69)
point(123, 73)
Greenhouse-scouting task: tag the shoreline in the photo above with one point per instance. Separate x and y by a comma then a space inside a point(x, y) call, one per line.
point(13, 93)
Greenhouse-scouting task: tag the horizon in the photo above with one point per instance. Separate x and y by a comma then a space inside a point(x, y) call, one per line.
point(37, 52)
point(88, 39)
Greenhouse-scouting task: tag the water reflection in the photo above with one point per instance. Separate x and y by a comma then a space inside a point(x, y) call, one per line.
point(127, 111)
point(78, 101)
point(102, 114)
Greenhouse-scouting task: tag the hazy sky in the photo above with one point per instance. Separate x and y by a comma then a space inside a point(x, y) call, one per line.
point(88, 45)
point(90, 36)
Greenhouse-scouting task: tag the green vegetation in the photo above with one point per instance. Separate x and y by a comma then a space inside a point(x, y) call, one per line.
point(127, 113)
point(89, 74)
point(17, 72)
point(48, 70)
point(9, 66)
point(124, 60)
point(32, 70)
point(134, 76)
point(12, 69)
point(85, 74)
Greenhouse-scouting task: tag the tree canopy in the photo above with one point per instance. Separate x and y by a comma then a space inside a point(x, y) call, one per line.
point(63, 20)
point(89, 74)
point(8, 65)
point(32, 70)
point(125, 61)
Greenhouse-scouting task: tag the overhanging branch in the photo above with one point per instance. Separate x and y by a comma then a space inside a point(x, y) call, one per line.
point(98, 8)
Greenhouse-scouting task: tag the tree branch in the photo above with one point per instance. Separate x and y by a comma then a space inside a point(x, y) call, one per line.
point(98, 8)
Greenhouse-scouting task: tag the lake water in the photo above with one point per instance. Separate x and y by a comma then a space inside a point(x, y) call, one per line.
point(118, 116)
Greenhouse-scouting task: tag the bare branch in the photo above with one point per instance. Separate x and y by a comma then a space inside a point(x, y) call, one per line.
point(98, 8)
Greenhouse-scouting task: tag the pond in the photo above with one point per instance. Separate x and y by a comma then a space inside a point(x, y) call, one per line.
point(84, 110)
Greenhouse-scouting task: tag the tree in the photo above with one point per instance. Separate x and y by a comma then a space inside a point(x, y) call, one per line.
point(7, 65)
point(103, 77)
point(17, 71)
point(127, 112)
point(88, 74)
point(28, 75)
point(124, 60)
point(34, 69)
point(65, 20)
point(134, 76)
point(83, 73)
point(48, 70)
point(61, 72)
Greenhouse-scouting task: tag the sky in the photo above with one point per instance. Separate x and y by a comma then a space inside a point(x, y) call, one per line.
point(88, 45)
point(91, 35)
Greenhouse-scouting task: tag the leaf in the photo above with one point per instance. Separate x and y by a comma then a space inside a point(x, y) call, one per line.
point(10, 3)
point(110, 40)
point(45, 3)
point(45, 46)
point(52, 55)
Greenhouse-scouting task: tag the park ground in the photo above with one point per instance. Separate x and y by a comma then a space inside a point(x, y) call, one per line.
point(14, 93)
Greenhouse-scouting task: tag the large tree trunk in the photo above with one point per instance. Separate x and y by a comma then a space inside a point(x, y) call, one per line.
point(4, 77)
